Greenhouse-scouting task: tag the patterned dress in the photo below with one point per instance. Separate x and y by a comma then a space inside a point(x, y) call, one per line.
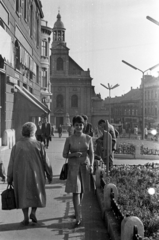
point(78, 179)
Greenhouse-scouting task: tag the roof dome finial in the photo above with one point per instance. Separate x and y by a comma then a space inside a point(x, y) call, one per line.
point(59, 23)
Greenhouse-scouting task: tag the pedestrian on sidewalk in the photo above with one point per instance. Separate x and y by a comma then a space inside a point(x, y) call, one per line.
point(60, 130)
point(28, 168)
point(78, 149)
point(46, 132)
point(2, 169)
point(39, 132)
point(99, 141)
point(88, 129)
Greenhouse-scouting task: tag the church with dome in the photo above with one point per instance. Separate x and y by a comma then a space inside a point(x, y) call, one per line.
point(71, 86)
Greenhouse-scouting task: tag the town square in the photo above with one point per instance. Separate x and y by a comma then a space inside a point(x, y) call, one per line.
point(79, 119)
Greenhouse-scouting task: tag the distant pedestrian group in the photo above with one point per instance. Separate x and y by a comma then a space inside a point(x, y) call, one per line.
point(44, 132)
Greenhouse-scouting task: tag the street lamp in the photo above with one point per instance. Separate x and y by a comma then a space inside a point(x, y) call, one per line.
point(110, 88)
point(143, 92)
point(152, 20)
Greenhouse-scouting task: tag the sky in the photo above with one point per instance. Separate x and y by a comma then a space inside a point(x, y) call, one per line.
point(102, 33)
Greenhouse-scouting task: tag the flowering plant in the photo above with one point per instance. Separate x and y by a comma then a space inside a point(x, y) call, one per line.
point(138, 187)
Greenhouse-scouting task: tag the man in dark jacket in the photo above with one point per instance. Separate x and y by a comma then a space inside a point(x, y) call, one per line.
point(39, 132)
point(111, 130)
point(46, 132)
point(88, 129)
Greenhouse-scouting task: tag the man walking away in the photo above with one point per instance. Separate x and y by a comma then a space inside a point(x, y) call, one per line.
point(39, 132)
point(88, 129)
point(60, 131)
point(102, 127)
point(46, 132)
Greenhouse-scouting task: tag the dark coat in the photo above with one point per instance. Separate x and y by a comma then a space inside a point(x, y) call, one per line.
point(46, 130)
point(88, 129)
point(39, 130)
point(28, 168)
point(111, 130)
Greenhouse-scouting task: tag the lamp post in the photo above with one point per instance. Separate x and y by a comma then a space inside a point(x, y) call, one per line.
point(143, 92)
point(110, 88)
point(152, 20)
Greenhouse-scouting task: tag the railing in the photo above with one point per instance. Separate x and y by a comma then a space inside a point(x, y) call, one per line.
point(115, 208)
point(124, 148)
point(136, 236)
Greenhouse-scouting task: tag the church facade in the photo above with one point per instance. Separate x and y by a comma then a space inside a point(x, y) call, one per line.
point(71, 86)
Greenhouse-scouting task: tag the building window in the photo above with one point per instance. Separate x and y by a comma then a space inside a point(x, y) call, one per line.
point(44, 78)
point(30, 90)
point(25, 9)
point(37, 31)
point(59, 101)
point(17, 55)
point(31, 20)
point(25, 85)
point(44, 48)
point(59, 64)
point(17, 6)
point(37, 73)
point(55, 36)
point(74, 101)
point(59, 35)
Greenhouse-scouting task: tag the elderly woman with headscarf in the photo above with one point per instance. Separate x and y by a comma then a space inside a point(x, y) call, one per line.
point(28, 168)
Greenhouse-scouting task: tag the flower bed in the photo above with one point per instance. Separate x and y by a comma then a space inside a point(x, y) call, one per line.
point(136, 184)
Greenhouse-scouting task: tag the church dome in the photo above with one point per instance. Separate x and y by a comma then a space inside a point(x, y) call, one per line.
point(59, 24)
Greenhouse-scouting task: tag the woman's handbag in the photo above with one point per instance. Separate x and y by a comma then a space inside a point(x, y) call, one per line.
point(8, 198)
point(64, 171)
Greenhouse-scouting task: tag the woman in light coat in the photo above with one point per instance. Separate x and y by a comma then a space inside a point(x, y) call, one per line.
point(78, 149)
point(28, 168)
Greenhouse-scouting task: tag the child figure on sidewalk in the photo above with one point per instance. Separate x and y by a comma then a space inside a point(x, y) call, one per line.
point(2, 170)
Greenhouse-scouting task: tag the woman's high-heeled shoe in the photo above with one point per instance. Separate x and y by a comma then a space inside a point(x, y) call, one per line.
point(33, 218)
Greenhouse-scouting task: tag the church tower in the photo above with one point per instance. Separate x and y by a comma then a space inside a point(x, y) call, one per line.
point(58, 32)
point(71, 85)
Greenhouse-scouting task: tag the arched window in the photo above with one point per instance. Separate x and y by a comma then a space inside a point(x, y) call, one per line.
point(17, 55)
point(74, 101)
point(59, 101)
point(59, 64)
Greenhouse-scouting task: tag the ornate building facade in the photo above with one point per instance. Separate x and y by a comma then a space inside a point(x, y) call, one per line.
point(71, 86)
point(20, 66)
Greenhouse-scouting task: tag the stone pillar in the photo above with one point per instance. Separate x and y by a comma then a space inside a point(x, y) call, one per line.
point(127, 227)
point(107, 192)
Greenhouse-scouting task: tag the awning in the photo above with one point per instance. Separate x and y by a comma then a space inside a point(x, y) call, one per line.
point(32, 99)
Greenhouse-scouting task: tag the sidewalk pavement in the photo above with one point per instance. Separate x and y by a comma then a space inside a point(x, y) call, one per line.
point(56, 220)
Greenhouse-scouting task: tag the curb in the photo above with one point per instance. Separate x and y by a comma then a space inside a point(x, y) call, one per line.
point(111, 223)
point(139, 156)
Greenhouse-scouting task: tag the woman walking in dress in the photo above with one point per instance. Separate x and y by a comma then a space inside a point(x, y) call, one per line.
point(78, 149)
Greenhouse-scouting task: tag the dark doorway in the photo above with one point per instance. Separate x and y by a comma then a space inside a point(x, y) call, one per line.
point(59, 120)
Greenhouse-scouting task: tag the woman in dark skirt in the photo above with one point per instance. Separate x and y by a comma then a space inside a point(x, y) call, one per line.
point(78, 149)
